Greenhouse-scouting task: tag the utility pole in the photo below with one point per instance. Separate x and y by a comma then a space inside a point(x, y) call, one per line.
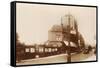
point(68, 33)
point(69, 50)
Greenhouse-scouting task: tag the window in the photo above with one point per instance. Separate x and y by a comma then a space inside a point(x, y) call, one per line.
point(46, 49)
point(49, 49)
point(27, 50)
point(32, 50)
point(58, 37)
point(55, 49)
point(40, 49)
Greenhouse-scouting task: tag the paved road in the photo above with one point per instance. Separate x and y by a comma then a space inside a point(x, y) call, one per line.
point(62, 58)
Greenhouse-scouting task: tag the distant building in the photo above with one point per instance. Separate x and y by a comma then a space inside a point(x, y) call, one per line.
point(55, 34)
point(59, 33)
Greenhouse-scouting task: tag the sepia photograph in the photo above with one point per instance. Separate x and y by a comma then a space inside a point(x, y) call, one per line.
point(48, 34)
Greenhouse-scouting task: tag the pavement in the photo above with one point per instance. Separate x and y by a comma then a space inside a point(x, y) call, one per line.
point(61, 58)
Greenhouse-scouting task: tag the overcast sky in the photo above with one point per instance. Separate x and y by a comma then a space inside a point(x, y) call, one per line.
point(34, 21)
